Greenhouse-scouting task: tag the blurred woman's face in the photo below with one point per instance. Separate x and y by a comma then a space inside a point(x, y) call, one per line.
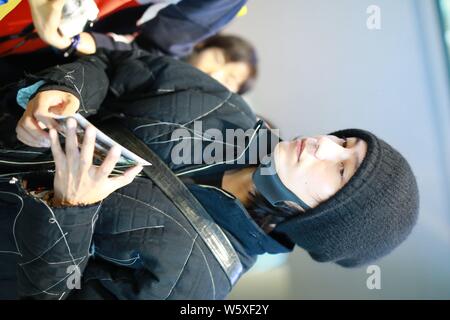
point(212, 61)
point(315, 168)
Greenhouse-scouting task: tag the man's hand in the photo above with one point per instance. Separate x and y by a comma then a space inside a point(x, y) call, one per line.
point(46, 19)
point(39, 114)
point(77, 180)
point(87, 44)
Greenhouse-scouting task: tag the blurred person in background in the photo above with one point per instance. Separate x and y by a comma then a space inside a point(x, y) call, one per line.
point(229, 59)
point(169, 27)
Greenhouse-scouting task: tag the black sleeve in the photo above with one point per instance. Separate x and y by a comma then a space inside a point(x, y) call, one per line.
point(104, 41)
point(177, 28)
point(88, 78)
point(53, 245)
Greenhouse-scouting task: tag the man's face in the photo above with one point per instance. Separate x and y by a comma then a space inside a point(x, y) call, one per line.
point(315, 168)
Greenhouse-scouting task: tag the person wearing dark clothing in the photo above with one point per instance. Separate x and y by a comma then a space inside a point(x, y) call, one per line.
point(174, 31)
point(348, 198)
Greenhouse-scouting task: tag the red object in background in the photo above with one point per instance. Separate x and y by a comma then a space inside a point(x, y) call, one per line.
point(20, 17)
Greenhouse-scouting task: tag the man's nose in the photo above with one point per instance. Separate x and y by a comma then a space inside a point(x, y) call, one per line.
point(331, 149)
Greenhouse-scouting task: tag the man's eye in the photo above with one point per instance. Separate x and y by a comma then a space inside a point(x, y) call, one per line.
point(345, 143)
point(342, 169)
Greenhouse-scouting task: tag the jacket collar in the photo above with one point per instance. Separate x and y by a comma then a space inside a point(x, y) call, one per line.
point(252, 154)
point(229, 213)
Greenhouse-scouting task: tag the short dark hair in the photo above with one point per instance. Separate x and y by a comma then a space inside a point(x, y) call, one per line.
point(236, 49)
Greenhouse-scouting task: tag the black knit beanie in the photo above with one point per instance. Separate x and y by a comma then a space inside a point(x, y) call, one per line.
point(365, 220)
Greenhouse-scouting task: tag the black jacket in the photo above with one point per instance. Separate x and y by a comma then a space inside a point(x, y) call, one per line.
point(135, 244)
point(174, 31)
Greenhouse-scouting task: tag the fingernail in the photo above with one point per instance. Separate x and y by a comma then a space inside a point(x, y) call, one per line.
point(71, 123)
point(90, 131)
point(116, 150)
